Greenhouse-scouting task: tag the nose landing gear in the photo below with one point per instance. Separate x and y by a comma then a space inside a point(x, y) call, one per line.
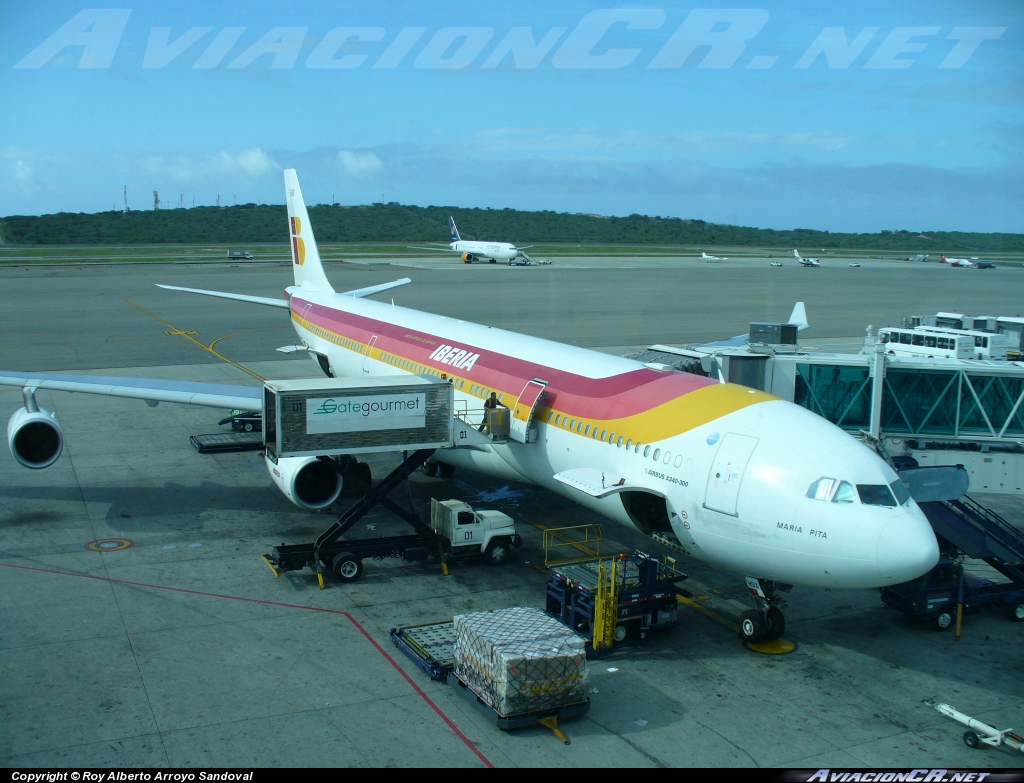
point(766, 620)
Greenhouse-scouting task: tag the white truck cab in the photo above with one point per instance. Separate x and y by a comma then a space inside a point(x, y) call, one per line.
point(464, 530)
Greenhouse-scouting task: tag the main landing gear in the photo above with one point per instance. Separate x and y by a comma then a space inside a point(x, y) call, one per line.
point(765, 620)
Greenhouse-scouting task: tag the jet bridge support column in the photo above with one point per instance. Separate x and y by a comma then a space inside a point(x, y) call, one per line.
point(877, 370)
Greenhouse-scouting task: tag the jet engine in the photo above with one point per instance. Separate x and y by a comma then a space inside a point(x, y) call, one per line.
point(35, 437)
point(469, 258)
point(311, 484)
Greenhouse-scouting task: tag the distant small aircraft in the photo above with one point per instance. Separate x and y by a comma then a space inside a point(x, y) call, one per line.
point(805, 261)
point(920, 258)
point(854, 264)
point(776, 263)
point(711, 259)
point(964, 262)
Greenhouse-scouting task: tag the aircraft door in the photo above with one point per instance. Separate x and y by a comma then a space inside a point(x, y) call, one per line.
point(727, 472)
point(369, 350)
point(522, 411)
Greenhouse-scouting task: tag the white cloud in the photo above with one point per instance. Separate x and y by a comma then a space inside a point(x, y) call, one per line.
point(253, 163)
point(359, 165)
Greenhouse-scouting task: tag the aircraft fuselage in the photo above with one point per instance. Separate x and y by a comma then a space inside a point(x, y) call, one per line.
point(499, 251)
point(725, 469)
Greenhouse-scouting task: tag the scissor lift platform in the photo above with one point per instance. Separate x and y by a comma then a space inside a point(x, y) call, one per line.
point(225, 442)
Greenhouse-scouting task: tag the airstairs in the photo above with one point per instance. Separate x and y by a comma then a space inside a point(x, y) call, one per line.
point(979, 533)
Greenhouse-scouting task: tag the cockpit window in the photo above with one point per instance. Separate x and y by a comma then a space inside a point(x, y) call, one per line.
point(899, 489)
point(876, 495)
point(822, 488)
point(845, 493)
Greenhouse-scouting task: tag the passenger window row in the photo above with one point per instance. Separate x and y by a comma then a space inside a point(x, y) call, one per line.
point(605, 436)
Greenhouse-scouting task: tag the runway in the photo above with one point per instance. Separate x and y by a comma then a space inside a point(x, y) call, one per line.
point(183, 650)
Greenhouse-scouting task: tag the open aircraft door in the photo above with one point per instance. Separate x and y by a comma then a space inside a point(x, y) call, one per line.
point(727, 472)
point(369, 352)
point(522, 411)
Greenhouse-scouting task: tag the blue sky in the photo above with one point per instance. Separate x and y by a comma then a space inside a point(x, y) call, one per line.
point(823, 115)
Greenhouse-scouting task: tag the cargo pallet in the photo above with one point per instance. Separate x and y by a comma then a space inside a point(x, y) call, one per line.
point(431, 646)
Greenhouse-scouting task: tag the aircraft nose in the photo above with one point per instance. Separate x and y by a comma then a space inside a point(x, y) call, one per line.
point(907, 547)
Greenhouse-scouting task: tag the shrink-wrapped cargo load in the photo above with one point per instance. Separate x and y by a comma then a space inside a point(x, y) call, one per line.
point(520, 660)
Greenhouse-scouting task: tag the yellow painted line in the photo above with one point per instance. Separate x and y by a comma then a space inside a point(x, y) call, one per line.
point(174, 331)
point(704, 610)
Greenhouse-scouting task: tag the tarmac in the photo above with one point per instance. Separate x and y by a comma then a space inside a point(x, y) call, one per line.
point(182, 649)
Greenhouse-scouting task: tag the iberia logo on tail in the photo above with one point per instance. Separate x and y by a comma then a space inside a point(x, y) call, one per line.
point(298, 247)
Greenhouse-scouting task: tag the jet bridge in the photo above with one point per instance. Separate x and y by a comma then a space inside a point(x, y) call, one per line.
point(940, 411)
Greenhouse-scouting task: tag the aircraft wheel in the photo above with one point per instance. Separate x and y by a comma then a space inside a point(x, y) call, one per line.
point(943, 621)
point(1016, 610)
point(347, 567)
point(752, 626)
point(447, 471)
point(430, 467)
point(972, 740)
point(776, 622)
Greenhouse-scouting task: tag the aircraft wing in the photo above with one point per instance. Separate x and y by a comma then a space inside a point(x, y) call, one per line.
point(376, 289)
point(739, 341)
point(524, 247)
point(265, 300)
point(435, 249)
point(209, 395)
point(798, 317)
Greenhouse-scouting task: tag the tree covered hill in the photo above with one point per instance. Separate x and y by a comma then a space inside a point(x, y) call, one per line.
point(250, 223)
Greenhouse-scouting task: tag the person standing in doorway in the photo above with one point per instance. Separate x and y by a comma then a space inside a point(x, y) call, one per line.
point(490, 404)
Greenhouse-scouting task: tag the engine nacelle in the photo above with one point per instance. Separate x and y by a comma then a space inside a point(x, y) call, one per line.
point(35, 438)
point(308, 482)
point(469, 258)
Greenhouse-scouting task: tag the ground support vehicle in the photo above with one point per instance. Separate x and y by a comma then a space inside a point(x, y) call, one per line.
point(459, 532)
point(431, 647)
point(615, 602)
point(935, 596)
point(244, 421)
point(979, 733)
point(463, 531)
point(964, 528)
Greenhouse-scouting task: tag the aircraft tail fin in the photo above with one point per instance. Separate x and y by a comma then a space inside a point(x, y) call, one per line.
point(799, 317)
point(796, 254)
point(452, 230)
point(309, 272)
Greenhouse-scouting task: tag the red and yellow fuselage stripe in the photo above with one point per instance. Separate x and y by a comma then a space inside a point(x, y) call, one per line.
point(643, 404)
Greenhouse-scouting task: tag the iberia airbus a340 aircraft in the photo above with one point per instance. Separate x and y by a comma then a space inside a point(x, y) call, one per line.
point(740, 479)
